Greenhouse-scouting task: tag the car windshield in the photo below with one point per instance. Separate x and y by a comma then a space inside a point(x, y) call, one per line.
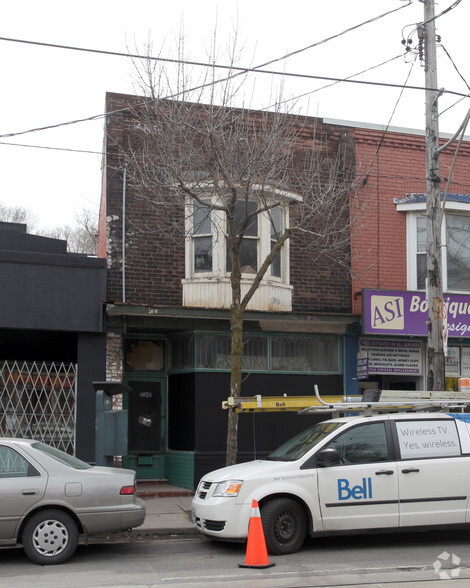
point(61, 456)
point(298, 446)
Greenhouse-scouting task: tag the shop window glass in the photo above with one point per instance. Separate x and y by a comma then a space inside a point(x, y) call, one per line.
point(145, 355)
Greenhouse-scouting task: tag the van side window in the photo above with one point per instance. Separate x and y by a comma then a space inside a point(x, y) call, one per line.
point(430, 438)
point(362, 444)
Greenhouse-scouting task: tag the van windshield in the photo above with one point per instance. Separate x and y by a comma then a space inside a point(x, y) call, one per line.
point(298, 446)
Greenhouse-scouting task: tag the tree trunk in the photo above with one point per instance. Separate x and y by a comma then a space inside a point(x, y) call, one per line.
point(236, 322)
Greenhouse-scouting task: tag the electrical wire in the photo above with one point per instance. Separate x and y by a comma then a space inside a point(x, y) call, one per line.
point(211, 65)
point(240, 71)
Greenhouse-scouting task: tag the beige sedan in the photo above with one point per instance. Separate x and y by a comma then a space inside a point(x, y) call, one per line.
point(49, 498)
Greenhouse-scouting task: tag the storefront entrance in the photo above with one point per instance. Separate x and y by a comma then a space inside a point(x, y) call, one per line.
point(146, 406)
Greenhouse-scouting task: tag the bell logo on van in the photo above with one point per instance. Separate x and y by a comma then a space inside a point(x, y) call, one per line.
point(359, 492)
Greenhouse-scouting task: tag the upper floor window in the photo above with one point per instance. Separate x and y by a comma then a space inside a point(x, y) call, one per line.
point(202, 237)
point(249, 250)
point(208, 247)
point(454, 240)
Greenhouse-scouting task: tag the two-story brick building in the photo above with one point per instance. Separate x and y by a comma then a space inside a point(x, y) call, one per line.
point(169, 329)
point(169, 337)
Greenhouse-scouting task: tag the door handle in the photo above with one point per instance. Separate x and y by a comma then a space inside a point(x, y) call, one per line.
point(410, 470)
point(30, 492)
point(384, 473)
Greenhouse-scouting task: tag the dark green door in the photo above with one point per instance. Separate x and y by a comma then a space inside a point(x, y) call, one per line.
point(146, 406)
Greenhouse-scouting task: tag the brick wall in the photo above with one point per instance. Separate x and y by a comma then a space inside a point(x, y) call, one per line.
point(154, 269)
point(397, 168)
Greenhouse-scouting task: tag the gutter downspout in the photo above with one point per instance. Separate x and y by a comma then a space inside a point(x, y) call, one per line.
point(124, 182)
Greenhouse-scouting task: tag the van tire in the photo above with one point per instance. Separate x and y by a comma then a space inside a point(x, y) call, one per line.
point(284, 524)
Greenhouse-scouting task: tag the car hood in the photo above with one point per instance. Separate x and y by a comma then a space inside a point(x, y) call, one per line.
point(244, 471)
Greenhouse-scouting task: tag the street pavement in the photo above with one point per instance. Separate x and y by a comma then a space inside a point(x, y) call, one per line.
point(169, 513)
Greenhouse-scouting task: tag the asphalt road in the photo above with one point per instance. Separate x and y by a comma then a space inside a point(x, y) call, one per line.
point(415, 559)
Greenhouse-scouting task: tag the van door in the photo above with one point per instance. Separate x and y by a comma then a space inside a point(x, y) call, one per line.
point(361, 491)
point(434, 477)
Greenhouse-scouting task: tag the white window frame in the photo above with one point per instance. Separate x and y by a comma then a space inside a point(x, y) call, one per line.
point(415, 210)
point(219, 268)
point(212, 289)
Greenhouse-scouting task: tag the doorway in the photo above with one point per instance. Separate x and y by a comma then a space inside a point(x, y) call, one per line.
point(147, 416)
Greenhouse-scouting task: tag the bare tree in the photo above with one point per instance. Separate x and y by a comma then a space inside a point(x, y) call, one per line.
point(209, 166)
point(81, 238)
point(17, 214)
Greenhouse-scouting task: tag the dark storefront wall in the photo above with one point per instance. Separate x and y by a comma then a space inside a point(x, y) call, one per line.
point(197, 424)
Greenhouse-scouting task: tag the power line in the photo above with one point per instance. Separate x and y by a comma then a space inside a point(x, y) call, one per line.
point(211, 65)
point(239, 70)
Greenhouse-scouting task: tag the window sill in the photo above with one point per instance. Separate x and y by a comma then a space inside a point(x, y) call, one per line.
point(210, 292)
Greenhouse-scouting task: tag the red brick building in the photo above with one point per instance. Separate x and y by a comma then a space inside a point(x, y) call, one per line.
point(390, 257)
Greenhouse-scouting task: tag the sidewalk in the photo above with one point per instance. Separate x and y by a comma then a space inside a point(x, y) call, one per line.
point(168, 510)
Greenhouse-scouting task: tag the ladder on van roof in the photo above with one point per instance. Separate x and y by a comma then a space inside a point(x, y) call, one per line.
point(372, 401)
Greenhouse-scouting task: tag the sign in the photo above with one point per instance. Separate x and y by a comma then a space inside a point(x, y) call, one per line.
point(420, 439)
point(393, 312)
point(392, 357)
point(362, 367)
point(453, 361)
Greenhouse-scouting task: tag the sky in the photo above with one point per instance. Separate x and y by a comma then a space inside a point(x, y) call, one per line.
point(55, 173)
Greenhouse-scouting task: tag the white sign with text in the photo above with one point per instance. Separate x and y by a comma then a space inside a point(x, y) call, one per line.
point(428, 438)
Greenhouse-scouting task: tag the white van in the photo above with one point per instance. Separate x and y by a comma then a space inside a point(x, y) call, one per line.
point(345, 474)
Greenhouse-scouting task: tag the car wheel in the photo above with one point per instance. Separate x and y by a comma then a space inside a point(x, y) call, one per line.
point(50, 537)
point(284, 525)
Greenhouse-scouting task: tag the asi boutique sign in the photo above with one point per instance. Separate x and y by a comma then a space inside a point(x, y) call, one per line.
point(406, 313)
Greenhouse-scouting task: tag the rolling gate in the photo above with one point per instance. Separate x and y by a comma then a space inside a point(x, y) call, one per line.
point(38, 401)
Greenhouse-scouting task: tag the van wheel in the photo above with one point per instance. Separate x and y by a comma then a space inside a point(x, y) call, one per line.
point(50, 537)
point(284, 525)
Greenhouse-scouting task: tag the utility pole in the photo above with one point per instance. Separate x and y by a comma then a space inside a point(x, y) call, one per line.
point(436, 360)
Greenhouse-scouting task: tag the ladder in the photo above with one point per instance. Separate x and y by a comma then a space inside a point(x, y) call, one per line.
point(372, 401)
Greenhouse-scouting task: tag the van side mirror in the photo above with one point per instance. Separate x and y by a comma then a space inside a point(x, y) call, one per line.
point(328, 457)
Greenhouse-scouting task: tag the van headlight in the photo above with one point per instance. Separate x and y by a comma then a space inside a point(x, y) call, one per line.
point(228, 488)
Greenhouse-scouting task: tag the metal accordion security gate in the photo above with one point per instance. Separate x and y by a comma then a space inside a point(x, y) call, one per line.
point(38, 401)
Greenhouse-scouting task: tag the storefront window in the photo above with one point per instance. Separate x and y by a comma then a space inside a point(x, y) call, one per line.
point(145, 355)
point(264, 353)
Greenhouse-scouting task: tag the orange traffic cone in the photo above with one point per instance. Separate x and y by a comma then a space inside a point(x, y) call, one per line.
point(256, 552)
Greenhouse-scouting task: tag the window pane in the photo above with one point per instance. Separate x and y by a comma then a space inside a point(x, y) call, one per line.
point(145, 355)
point(248, 257)
point(13, 465)
point(362, 444)
point(421, 269)
point(201, 219)
point(421, 234)
point(241, 212)
point(182, 353)
point(458, 252)
point(296, 354)
point(276, 266)
point(214, 352)
point(276, 231)
point(203, 254)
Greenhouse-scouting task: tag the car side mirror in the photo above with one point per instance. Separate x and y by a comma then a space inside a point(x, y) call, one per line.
point(327, 457)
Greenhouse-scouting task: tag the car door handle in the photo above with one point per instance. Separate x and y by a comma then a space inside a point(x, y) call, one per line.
point(30, 492)
point(410, 470)
point(384, 473)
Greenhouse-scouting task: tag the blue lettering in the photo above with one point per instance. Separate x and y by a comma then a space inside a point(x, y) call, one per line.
point(359, 492)
point(343, 485)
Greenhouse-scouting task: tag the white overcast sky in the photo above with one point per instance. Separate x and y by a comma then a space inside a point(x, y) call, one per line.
point(44, 86)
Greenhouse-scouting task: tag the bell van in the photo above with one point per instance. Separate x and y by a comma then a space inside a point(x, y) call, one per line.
point(384, 471)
